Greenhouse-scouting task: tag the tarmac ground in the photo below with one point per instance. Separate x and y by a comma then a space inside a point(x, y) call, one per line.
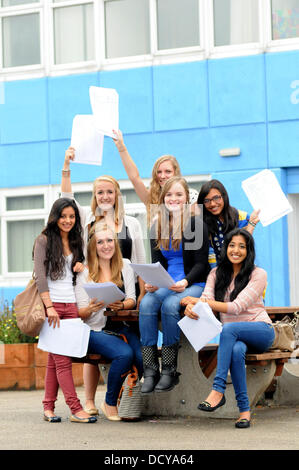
point(22, 428)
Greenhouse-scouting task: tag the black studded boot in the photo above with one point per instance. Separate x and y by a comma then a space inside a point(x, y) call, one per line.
point(151, 369)
point(169, 376)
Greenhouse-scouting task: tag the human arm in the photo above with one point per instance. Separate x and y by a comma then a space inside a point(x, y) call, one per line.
point(196, 250)
point(131, 168)
point(253, 221)
point(129, 287)
point(66, 185)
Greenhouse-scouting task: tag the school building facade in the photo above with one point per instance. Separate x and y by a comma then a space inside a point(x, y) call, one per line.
point(194, 78)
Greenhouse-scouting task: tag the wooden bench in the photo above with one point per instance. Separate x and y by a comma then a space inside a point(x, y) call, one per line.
point(198, 370)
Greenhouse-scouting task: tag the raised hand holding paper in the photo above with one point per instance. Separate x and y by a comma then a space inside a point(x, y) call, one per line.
point(87, 140)
point(104, 104)
point(200, 332)
point(264, 193)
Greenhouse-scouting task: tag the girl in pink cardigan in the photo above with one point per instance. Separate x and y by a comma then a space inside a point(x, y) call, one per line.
point(235, 290)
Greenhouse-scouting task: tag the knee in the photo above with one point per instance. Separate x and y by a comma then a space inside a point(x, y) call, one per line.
point(148, 303)
point(171, 306)
point(239, 351)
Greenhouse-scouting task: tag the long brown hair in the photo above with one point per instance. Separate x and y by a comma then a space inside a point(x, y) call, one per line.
point(166, 226)
point(116, 262)
point(119, 211)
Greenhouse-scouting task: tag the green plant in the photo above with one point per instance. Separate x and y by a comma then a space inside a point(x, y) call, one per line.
point(9, 331)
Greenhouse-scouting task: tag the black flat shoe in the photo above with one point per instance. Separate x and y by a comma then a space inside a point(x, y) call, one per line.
point(206, 406)
point(52, 419)
point(242, 423)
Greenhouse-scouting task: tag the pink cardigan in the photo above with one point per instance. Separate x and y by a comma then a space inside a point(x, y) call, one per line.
point(248, 305)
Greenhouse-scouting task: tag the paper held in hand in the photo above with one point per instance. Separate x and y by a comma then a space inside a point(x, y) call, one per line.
point(200, 332)
point(70, 339)
point(86, 140)
point(107, 292)
point(104, 104)
point(264, 193)
point(153, 274)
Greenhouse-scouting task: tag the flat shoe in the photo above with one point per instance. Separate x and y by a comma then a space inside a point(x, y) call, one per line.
point(76, 419)
point(242, 423)
point(92, 411)
point(110, 417)
point(206, 406)
point(52, 419)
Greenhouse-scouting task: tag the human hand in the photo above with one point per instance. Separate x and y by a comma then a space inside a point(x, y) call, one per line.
point(179, 286)
point(69, 156)
point(119, 140)
point(254, 217)
point(95, 305)
point(150, 288)
point(79, 267)
point(118, 305)
point(189, 312)
point(189, 300)
point(53, 317)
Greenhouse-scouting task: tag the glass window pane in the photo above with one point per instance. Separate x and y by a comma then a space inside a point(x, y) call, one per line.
point(24, 202)
point(83, 199)
point(285, 19)
point(74, 34)
point(11, 3)
point(20, 239)
point(21, 40)
point(131, 18)
point(235, 22)
point(178, 23)
point(130, 196)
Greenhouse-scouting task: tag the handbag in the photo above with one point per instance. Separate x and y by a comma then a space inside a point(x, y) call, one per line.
point(285, 333)
point(30, 310)
point(130, 398)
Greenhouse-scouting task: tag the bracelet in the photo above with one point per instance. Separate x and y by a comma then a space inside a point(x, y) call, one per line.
point(50, 306)
point(68, 172)
point(252, 223)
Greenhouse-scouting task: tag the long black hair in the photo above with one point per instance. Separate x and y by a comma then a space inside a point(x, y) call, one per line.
point(229, 213)
point(224, 270)
point(55, 260)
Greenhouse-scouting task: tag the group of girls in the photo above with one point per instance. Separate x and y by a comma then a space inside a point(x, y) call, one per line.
point(210, 256)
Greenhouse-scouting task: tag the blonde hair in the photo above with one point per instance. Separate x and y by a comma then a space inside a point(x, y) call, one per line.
point(119, 210)
point(116, 262)
point(155, 188)
point(167, 227)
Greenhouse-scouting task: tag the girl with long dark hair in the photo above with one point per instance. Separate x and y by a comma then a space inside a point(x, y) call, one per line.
point(235, 290)
point(221, 217)
point(57, 252)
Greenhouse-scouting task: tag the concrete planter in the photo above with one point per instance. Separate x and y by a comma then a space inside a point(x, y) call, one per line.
point(23, 367)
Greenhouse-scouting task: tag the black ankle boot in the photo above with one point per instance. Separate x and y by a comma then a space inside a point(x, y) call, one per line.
point(169, 376)
point(151, 371)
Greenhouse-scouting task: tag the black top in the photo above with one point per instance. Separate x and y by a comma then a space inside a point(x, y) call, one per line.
point(195, 247)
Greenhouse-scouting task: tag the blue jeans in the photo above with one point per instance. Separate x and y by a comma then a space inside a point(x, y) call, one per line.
point(122, 355)
point(235, 339)
point(168, 302)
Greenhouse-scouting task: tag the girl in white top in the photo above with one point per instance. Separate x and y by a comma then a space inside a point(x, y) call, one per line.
point(106, 264)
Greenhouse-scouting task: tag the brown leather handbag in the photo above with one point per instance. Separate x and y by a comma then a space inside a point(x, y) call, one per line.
point(30, 310)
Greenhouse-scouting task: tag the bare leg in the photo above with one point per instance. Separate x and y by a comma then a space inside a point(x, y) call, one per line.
point(91, 375)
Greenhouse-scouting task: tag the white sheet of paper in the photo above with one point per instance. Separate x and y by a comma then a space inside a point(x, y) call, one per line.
point(264, 193)
point(107, 292)
point(87, 141)
point(200, 332)
point(153, 274)
point(70, 339)
point(104, 104)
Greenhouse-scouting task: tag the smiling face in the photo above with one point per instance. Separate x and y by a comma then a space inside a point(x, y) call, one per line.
point(237, 250)
point(105, 195)
point(105, 244)
point(213, 202)
point(66, 220)
point(175, 197)
point(164, 172)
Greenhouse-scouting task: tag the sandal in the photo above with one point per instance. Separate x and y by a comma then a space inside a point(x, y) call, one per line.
point(206, 406)
point(242, 423)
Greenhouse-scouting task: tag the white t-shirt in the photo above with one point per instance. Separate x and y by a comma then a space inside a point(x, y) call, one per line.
point(62, 290)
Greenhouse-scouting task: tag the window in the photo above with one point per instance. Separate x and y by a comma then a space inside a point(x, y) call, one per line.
point(73, 33)
point(20, 238)
point(177, 23)
point(285, 19)
point(235, 22)
point(127, 28)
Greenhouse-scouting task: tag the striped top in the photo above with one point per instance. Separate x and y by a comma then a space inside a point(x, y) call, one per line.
point(248, 305)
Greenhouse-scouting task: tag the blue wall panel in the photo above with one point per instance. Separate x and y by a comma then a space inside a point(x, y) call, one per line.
point(283, 85)
point(68, 96)
point(23, 116)
point(237, 90)
point(293, 180)
point(134, 87)
point(24, 165)
point(284, 144)
point(180, 96)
